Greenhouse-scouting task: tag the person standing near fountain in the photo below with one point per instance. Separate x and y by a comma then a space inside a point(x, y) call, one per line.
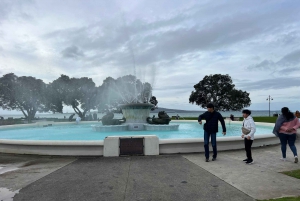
point(285, 128)
point(78, 119)
point(248, 131)
point(212, 118)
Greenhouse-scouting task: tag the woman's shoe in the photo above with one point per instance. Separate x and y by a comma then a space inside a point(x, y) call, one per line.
point(283, 159)
point(296, 159)
point(245, 160)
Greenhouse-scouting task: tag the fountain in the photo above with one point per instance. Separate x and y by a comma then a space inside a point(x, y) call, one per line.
point(136, 116)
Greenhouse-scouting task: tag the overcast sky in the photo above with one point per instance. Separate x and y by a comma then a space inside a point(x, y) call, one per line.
point(174, 44)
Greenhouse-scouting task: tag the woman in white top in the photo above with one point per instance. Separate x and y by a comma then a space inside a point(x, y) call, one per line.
point(248, 131)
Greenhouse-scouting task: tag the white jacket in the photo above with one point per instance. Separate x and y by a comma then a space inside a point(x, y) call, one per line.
point(250, 125)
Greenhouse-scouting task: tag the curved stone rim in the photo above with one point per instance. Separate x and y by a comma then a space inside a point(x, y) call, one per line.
point(95, 148)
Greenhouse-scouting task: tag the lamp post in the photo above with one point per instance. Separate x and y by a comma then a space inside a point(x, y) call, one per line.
point(269, 99)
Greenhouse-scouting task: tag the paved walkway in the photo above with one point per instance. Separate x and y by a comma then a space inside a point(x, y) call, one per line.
point(132, 178)
point(165, 177)
point(262, 180)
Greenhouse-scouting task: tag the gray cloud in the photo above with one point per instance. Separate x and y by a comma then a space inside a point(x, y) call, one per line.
point(161, 40)
point(287, 64)
point(287, 71)
point(72, 52)
point(184, 40)
point(273, 83)
point(290, 59)
point(15, 9)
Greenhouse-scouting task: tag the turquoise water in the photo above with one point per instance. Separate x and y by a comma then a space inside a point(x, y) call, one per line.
point(85, 132)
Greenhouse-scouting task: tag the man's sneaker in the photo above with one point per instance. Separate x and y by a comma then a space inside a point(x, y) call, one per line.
point(245, 160)
point(207, 160)
point(213, 159)
point(249, 162)
point(283, 159)
point(296, 159)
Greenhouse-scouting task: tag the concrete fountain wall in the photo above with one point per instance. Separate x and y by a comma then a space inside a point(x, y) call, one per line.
point(96, 148)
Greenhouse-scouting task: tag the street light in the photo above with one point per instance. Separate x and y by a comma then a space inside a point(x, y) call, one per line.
point(269, 99)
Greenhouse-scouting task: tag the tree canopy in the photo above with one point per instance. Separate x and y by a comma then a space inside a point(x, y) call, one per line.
point(31, 95)
point(219, 90)
point(26, 94)
point(79, 93)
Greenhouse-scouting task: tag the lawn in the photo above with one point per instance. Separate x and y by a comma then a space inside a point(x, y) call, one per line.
point(293, 173)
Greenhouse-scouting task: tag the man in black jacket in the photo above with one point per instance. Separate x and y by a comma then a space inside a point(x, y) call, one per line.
point(211, 128)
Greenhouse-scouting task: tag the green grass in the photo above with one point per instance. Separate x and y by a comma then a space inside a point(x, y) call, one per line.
point(265, 119)
point(293, 173)
point(285, 199)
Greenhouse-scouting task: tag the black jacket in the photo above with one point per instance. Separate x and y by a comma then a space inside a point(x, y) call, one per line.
point(211, 125)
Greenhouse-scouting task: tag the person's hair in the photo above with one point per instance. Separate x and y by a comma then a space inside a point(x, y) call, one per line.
point(210, 105)
point(246, 112)
point(287, 113)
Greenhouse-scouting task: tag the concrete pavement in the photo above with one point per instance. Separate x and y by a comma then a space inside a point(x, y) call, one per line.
point(164, 177)
point(263, 179)
point(131, 178)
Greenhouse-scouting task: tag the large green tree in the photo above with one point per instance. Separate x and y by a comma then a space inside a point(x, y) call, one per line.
point(26, 94)
point(219, 90)
point(79, 93)
point(123, 90)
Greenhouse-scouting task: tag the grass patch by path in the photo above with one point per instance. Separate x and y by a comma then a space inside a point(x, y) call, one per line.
point(293, 173)
point(265, 119)
point(284, 199)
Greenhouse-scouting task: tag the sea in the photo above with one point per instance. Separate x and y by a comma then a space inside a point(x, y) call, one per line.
point(255, 113)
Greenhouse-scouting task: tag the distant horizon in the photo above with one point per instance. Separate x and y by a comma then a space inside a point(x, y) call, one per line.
point(14, 112)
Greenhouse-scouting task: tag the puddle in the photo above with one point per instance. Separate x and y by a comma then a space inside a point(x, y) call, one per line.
point(7, 169)
point(16, 166)
point(7, 195)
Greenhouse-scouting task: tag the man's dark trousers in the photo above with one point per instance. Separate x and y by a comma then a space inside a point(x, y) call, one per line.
point(213, 137)
point(248, 144)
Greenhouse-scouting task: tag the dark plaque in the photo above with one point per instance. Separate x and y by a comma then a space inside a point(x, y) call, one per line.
point(131, 146)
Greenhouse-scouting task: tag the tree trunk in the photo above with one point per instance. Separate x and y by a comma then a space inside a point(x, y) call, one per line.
point(31, 114)
point(78, 112)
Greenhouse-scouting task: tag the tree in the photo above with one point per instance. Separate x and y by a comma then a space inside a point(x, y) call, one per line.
point(123, 90)
point(26, 94)
point(80, 93)
point(219, 90)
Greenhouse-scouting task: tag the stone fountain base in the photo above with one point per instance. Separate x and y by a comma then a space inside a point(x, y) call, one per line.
point(110, 128)
point(153, 127)
point(135, 127)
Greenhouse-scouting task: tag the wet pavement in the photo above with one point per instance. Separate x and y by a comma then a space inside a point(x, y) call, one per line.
point(18, 171)
point(7, 195)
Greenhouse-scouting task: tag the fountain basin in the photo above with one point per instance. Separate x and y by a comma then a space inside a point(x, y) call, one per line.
point(135, 127)
point(154, 127)
point(136, 112)
point(90, 145)
point(110, 128)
